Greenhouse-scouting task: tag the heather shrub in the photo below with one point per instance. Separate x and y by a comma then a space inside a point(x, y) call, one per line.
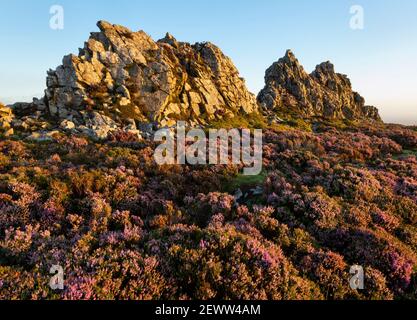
point(228, 265)
point(376, 285)
point(114, 273)
point(330, 270)
point(373, 249)
point(203, 207)
point(358, 215)
point(18, 284)
point(123, 227)
point(353, 184)
point(17, 206)
point(407, 209)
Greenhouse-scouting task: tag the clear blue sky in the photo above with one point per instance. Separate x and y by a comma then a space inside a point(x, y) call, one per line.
point(381, 59)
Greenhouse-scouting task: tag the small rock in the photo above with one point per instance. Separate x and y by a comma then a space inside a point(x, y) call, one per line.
point(67, 125)
point(9, 132)
point(238, 195)
point(257, 191)
point(42, 136)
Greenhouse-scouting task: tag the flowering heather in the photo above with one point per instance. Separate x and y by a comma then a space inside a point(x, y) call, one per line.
point(123, 227)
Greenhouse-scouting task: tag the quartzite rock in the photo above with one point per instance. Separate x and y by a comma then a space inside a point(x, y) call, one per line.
point(122, 75)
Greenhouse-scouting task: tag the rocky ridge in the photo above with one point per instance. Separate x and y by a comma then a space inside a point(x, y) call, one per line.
point(124, 81)
point(323, 93)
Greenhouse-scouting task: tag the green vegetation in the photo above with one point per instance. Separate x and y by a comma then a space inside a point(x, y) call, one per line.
point(242, 181)
point(252, 121)
point(406, 153)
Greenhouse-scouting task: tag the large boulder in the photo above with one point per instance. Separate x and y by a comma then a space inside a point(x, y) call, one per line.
point(323, 93)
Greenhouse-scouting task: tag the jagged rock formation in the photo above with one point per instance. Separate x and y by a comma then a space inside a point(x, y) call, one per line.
point(123, 78)
point(125, 81)
point(323, 93)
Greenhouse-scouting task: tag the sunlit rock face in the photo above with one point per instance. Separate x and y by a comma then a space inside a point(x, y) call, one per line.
point(6, 117)
point(323, 93)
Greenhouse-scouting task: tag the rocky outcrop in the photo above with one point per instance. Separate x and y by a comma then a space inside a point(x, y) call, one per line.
point(124, 79)
point(30, 117)
point(323, 93)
